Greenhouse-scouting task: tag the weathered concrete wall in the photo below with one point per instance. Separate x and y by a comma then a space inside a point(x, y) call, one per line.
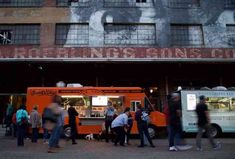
point(211, 15)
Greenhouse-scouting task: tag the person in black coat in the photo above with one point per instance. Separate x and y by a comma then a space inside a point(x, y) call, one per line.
point(72, 122)
point(142, 127)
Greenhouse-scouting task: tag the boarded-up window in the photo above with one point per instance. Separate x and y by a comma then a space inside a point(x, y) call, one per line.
point(128, 3)
point(186, 35)
point(130, 34)
point(19, 34)
point(184, 3)
point(21, 3)
point(231, 34)
point(74, 3)
point(72, 34)
point(229, 4)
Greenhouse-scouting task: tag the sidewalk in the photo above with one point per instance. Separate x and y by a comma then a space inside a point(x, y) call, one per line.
point(102, 150)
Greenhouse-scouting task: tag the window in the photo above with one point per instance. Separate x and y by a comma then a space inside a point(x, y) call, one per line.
point(74, 3)
point(231, 34)
point(221, 104)
point(19, 34)
point(134, 105)
point(5, 37)
point(130, 34)
point(184, 3)
point(21, 3)
point(186, 35)
point(229, 4)
point(129, 3)
point(141, 1)
point(72, 34)
point(92, 106)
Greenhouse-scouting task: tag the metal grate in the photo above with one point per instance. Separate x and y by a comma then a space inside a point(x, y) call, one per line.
point(231, 34)
point(130, 34)
point(72, 34)
point(73, 3)
point(128, 3)
point(229, 4)
point(21, 3)
point(183, 3)
point(186, 35)
point(20, 34)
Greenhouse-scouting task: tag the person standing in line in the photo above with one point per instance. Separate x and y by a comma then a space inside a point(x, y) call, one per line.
point(204, 124)
point(14, 122)
point(35, 121)
point(9, 114)
point(142, 127)
point(109, 116)
point(130, 124)
point(120, 125)
point(22, 119)
point(72, 122)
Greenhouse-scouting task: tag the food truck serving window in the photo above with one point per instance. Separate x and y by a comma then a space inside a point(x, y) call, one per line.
point(221, 103)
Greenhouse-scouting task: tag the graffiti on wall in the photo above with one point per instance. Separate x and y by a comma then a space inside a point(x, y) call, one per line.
point(116, 53)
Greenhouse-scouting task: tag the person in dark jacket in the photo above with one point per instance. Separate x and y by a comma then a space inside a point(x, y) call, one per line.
point(130, 124)
point(142, 127)
point(72, 122)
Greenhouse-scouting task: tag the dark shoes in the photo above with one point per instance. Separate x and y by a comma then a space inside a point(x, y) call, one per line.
point(74, 143)
point(141, 146)
point(152, 146)
point(144, 145)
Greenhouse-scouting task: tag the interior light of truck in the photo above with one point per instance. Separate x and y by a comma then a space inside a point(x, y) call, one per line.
point(113, 96)
point(71, 96)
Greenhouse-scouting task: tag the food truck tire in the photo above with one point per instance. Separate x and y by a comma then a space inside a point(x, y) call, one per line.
point(215, 130)
point(67, 131)
point(152, 131)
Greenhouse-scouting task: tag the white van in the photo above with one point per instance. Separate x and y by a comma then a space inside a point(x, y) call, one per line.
point(221, 105)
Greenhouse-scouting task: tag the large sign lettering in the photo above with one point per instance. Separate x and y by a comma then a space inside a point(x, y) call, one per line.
point(115, 53)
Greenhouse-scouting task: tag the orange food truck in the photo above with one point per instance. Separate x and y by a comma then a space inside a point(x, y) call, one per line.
point(91, 102)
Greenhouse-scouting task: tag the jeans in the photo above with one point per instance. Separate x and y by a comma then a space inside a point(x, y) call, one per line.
point(73, 132)
point(143, 130)
point(107, 127)
point(34, 134)
point(45, 134)
point(120, 135)
point(175, 133)
point(55, 136)
point(20, 135)
point(206, 127)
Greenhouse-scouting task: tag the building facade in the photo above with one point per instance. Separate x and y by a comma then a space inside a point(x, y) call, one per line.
point(159, 44)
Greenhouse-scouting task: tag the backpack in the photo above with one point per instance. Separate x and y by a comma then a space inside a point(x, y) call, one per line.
point(49, 115)
point(145, 117)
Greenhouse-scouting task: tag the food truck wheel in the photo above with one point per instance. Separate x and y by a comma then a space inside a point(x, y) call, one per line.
point(215, 130)
point(67, 131)
point(152, 131)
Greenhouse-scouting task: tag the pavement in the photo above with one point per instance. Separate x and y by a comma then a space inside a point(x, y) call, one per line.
point(101, 150)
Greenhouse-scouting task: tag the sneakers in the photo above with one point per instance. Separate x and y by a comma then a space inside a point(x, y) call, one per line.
point(173, 148)
point(218, 146)
point(184, 147)
point(199, 149)
point(152, 146)
point(141, 146)
point(51, 150)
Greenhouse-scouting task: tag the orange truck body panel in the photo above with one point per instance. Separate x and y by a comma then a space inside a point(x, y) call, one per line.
point(42, 96)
